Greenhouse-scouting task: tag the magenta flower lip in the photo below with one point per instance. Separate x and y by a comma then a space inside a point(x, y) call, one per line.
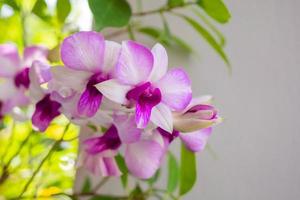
point(22, 78)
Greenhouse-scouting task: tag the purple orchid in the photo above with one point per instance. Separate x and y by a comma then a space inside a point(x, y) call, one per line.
point(100, 152)
point(14, 74)
point(88, 60)
point(142, 155)
point(142, 81)
point(46, 108)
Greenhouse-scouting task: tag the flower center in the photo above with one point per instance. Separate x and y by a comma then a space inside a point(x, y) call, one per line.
point(145, 94)
point(22, 79)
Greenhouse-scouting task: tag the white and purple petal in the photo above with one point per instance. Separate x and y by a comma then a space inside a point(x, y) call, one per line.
point(162, 117)
point(84, 51)
point(196, 141)
point(176, 89)
point(33, 53)
point(143, 158)
point(10, 60)
point(45, 111)
point(114, 90)
point(134, 64)
point(160, 65)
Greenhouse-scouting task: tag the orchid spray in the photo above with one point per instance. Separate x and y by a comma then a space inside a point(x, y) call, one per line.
point(118, 105)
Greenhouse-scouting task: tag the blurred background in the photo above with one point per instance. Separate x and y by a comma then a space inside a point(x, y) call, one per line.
point(254, 153)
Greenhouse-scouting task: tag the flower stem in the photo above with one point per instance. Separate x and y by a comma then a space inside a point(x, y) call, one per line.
point(52, 149)
point(163, 9)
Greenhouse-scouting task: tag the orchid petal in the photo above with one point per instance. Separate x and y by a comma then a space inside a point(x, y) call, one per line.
point(110, 167)
point(89, 102)
point(127, 130)
point(33, 53)
point(84, 51)
point(45, 111)
point(161, 116)
point(143, 158)
point(160, 65)
point(135, 63)
point(9, 59)
point(196, 141)
point(66, 79)
point(111, 55)
point(39, 73)
point(186, 125)
point(176, 89)
point(113, 90)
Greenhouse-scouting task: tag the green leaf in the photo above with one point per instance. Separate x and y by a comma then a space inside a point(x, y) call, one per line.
point(172, 40)
point(208, 37)
point(222, 40)
point(12, 4)
point(112, 13)
point(104, 197)
point(137, 194)
point(173, 173)
point(63, 9)
point(86, 186)
point(216, 9)
point(40, 9)
point(124, 170)
point(174, 3)
point(188, 173)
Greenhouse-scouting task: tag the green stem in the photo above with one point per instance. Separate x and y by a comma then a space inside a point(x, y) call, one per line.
point(23, 16)
point(54, 146)
point(100, 184)
point(5, 173)
point(163, 9)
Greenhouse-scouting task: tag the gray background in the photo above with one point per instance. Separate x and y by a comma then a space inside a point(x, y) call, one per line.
point(257, 147)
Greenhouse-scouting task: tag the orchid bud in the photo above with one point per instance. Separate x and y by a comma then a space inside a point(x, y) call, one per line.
point(196, 117)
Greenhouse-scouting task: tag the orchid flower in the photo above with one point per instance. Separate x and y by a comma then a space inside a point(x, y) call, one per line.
point(142, 155)
point(100, 152)
point(14, 75)
point(142, 81)
point(46, 108)
point(88, 60)
point(198, 114)
point(193, 125)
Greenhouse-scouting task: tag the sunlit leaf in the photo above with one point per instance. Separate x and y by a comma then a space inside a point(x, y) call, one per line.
point(188, 173)
point(40, 9)
point(173, 173)
point(112, 13)
point(208, 37)
point(13, 24)
point(63, 9)
point(216, 9)
point(12, 4)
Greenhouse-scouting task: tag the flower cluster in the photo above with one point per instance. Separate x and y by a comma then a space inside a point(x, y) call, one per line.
point(125, 88)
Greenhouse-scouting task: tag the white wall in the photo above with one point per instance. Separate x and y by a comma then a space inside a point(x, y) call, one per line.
point(258, 145)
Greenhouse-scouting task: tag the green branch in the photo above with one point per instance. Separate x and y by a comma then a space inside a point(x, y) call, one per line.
point(54, 146)
point(163, 9)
